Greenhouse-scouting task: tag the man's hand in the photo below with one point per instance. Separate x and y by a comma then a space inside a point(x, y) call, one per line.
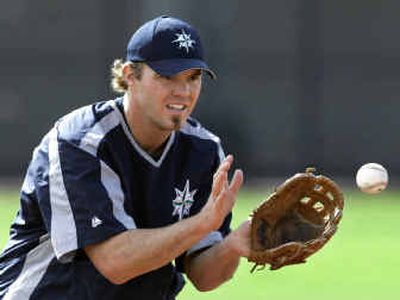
point(223, 194)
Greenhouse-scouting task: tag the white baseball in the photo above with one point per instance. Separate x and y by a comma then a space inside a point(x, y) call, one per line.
point(372, 178)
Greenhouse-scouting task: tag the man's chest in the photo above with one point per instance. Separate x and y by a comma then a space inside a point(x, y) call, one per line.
point(160, 196)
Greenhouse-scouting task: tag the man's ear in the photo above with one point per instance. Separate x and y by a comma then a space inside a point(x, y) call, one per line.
point(128, 75)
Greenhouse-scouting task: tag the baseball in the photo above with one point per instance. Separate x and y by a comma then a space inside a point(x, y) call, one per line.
point(372, 178)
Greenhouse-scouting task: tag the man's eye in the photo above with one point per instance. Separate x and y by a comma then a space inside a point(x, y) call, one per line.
point(165, 77)
point(195, 77)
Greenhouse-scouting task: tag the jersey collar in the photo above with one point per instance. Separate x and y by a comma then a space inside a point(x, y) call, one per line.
point(155, 162)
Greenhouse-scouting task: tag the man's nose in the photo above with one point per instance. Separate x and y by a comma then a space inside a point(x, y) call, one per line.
point(181, 89)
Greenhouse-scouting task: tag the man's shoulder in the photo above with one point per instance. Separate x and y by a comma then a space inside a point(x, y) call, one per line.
point(80, 121)
point(195, 129)
point(202, 141)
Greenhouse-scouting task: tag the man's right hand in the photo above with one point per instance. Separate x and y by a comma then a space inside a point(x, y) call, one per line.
point(223, 194)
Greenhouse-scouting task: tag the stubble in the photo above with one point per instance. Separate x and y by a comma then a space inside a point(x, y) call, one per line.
point(177, 122)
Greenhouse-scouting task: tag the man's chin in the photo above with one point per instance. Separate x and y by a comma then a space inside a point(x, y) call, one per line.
point(177, 123)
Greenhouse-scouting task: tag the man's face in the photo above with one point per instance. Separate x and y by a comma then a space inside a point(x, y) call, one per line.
point(165, 103)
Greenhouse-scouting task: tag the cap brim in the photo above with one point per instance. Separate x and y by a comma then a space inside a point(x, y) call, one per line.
point(170, 67)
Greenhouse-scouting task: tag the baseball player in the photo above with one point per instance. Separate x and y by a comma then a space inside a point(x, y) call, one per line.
point(124, 196)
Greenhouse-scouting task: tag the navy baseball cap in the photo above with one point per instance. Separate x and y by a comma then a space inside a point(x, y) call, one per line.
point(169, 46)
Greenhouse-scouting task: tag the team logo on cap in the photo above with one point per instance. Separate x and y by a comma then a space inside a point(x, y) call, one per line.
point(184, 40)
point(183, 201)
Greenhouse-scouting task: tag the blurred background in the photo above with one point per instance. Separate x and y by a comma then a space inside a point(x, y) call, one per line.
point(301, 82)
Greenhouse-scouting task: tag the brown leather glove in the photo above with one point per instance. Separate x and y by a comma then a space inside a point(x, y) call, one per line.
point(295, 221)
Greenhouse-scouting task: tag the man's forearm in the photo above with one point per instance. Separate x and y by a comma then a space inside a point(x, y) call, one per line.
point(217, 264)
point(139, 251)
point(212, 267)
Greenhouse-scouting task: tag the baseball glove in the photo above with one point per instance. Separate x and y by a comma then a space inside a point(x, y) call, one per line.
point(295, 221)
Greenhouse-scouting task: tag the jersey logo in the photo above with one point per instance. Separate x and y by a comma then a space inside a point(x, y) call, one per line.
point(96, 222)
point(183, 201)
point(184, 41)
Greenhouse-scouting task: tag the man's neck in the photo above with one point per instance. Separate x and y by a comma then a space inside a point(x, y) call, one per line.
point(150, 139)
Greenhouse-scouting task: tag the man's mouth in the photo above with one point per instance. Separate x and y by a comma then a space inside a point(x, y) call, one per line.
point(176, 107)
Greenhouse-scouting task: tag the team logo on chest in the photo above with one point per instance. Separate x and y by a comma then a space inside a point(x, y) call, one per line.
point(183, 201)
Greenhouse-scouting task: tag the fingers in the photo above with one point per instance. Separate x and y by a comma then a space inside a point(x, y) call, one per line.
point(223, 193)
point(220, 183)
point(221, 178)
point(224, 166)
point(236, 181)
point(227, 163)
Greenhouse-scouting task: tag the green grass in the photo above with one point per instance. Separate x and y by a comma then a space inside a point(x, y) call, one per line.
point(8, 207)
point(360, 262)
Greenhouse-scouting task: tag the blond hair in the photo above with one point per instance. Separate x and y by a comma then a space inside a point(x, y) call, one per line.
point(118, 82)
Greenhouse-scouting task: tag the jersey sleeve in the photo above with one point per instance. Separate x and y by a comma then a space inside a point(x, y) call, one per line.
point(86, 199)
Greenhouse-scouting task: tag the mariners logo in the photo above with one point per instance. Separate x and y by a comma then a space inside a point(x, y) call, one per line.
point(184, 41)
point(183, 201)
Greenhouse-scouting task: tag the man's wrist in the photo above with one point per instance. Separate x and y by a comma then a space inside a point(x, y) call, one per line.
point(202, 223)
point(230, 246)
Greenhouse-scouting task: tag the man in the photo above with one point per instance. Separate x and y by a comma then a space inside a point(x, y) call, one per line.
point(123, 196)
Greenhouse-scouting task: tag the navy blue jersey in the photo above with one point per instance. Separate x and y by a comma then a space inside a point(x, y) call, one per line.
point(88, 181)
